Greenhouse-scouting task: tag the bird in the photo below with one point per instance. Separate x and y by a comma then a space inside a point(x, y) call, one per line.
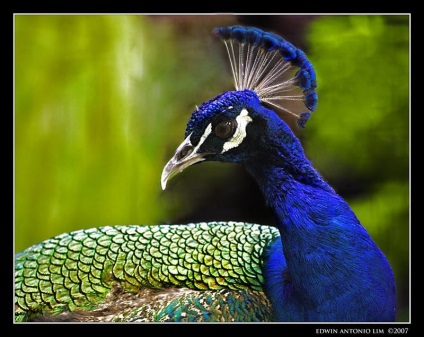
point(316, 264)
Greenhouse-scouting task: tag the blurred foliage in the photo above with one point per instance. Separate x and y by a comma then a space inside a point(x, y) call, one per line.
point(101, 103)
point(97, 101)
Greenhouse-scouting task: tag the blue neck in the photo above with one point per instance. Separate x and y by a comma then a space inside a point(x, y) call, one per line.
point(328, 269)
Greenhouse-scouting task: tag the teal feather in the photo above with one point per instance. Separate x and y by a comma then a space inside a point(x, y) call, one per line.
point(190, 270)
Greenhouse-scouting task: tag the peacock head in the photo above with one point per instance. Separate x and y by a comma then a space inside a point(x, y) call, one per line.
point(269, 72)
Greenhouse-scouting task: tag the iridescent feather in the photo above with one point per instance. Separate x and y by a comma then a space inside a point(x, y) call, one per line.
point(146, 273)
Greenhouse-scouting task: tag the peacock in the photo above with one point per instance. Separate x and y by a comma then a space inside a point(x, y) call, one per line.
point(317, 264)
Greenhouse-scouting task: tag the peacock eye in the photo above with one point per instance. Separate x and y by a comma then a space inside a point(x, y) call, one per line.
point(225, 129)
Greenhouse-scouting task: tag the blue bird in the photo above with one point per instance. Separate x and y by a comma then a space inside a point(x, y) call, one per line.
point(318, 265)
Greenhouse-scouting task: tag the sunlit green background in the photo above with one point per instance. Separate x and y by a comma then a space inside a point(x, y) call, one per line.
point(101, 103)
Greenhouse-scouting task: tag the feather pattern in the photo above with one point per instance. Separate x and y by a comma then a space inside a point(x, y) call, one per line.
point(85, 274)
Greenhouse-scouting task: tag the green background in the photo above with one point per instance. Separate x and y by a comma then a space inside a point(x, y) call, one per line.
point(101, 103)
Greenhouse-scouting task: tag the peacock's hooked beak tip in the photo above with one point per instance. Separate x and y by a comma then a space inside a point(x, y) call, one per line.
point(185, 156)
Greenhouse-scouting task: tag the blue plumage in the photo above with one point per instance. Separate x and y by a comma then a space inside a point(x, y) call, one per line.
point(326, 267)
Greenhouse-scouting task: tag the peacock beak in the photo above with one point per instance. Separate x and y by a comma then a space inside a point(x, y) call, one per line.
point(185, 156)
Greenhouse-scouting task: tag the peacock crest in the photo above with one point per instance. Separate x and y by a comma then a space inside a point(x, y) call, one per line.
point(278, 72)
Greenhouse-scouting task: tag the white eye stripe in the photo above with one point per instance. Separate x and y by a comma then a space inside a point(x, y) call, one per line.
point(205, 135)
point(242, 120)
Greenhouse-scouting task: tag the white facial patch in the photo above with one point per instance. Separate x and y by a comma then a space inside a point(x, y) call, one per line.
point(205, 135)
point(242, 120)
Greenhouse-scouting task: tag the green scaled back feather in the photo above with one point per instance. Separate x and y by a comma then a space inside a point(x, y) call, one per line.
point(146, 273)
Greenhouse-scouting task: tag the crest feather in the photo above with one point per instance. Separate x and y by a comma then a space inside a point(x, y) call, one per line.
point(279, 73)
